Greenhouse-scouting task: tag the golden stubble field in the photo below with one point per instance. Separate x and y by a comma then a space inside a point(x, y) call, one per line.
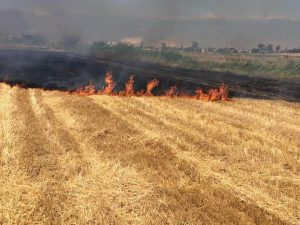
point(67, 159)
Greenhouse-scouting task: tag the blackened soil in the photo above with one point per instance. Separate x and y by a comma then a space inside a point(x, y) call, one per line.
point(66, 71)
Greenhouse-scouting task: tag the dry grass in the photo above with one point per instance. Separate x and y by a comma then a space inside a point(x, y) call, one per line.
point(114, 160)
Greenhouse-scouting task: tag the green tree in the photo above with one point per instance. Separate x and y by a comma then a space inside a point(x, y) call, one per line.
point(70, 41)
point(270, 48)
point(124, 52)
point(33, 39)
point(261, 46)
point(98, 45)
point(195, 46)
point(142, 45)
point(164, 46)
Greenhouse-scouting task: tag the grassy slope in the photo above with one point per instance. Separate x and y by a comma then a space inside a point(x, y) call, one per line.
point(270, 66)
point(112, 160)
point(273, 66)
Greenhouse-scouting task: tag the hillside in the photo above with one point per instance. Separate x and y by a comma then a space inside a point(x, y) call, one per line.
point(67, 159)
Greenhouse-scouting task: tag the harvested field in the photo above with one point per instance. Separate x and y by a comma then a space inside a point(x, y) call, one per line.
point(67, 159)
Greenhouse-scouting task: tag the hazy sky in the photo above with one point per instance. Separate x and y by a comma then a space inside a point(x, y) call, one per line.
point(113, 19)
point(166, 8)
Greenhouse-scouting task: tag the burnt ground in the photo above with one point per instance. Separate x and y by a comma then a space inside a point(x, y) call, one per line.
point(65, 71)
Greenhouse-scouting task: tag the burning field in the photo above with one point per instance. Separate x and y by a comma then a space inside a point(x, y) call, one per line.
point(64, 71)
point(87, 157)
point(220, 94)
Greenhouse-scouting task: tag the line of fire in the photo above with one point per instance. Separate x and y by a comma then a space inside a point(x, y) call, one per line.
point(214, 94)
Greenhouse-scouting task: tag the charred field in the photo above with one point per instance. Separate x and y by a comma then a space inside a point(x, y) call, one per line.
point(100, 159)
point(65, 71)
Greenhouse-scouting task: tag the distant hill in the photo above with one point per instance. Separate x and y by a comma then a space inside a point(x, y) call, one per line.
point(241, 33)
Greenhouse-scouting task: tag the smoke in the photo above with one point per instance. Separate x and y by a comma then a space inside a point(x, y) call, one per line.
point(211, 22)
point(12, 22)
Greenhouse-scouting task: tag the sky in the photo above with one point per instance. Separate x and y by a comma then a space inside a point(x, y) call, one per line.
point(166, 9)
point(157, 19)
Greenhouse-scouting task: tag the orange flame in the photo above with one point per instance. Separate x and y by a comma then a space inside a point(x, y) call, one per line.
point(201, 95)
point(87, 90)
point(224, 91)
point(171, 92)
point(221, 94)
point(110, 84)
point(140, 93)
point(150, 86)
point(129, 87)
point(213, 94)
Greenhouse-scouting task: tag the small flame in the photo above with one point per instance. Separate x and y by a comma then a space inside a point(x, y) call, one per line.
point(110, 84)
point(150, 86)
point(171, 92)
point(201, 95)
point(221, 94)
point(224, 91)
point(129, 87)
point(140, 93)
point(213, 94)
point(87, 90)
